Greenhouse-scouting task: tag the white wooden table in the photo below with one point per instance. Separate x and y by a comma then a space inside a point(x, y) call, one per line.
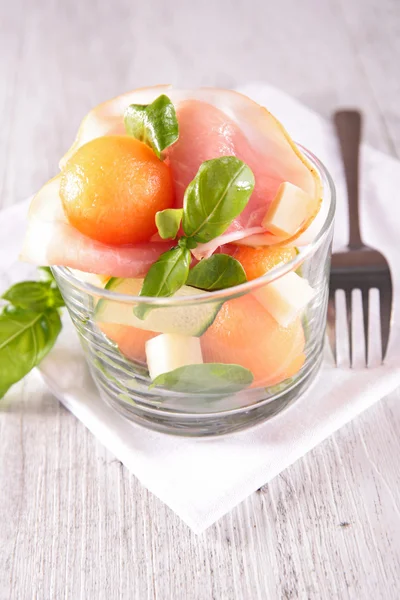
point(73, 522)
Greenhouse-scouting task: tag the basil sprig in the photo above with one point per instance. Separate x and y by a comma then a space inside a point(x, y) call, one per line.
point(216, 196)
point(218, 272)
point(154, 124)
point(29, 327)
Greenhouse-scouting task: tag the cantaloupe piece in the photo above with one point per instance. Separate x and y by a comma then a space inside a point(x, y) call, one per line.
point(258, 261)
point(245, 333)
point(130, 340)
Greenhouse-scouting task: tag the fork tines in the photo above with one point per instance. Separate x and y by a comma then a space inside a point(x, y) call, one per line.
point(363, 269)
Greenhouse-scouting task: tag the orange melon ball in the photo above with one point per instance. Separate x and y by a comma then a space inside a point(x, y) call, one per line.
point(257, 261)
point(244, 333)
point(112, 187)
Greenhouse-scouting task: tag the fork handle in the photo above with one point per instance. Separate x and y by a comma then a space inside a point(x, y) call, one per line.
point(348, 128)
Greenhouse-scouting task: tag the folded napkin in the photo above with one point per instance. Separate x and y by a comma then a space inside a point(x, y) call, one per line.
point(203, 479)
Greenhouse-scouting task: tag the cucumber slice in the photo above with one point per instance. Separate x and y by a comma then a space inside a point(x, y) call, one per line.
point(191, 320)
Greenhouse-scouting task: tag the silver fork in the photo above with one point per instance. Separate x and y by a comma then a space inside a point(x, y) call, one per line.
point(360, 267)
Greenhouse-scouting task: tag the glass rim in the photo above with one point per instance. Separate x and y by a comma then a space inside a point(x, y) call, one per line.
point(225, 294)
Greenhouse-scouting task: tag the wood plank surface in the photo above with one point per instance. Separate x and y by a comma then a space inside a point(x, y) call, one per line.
point(76, 524)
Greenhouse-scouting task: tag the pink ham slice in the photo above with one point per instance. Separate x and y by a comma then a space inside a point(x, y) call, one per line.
point(212, 123)
point(51, 240)
point(206, 131)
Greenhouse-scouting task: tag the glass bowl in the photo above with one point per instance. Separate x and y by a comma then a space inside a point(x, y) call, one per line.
point(284, 361)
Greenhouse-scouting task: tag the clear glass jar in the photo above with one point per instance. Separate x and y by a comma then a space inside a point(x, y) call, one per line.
point(284, 361)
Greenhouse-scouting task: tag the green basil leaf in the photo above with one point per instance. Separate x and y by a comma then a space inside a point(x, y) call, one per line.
point(207, 378)
point(168, 222)
point(216, 196)
point(154, 124)
point(45, 274)
point(187, 242)
point(34, 295)
point(165, 277)
point(25, 339)
point(218, 272)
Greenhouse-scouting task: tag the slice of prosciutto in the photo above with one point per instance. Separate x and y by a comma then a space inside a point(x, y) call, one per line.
point(234, 125)
point(51, 240)
point(212, 123)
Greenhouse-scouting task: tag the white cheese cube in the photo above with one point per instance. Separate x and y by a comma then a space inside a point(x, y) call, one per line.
point(289, 210)
point(286, 297)
point(170, 351)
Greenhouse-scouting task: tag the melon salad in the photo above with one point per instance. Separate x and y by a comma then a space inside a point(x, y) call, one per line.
point(173, 193)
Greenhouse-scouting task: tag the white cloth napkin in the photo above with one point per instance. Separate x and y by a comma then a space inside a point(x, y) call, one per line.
point(203, 479)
